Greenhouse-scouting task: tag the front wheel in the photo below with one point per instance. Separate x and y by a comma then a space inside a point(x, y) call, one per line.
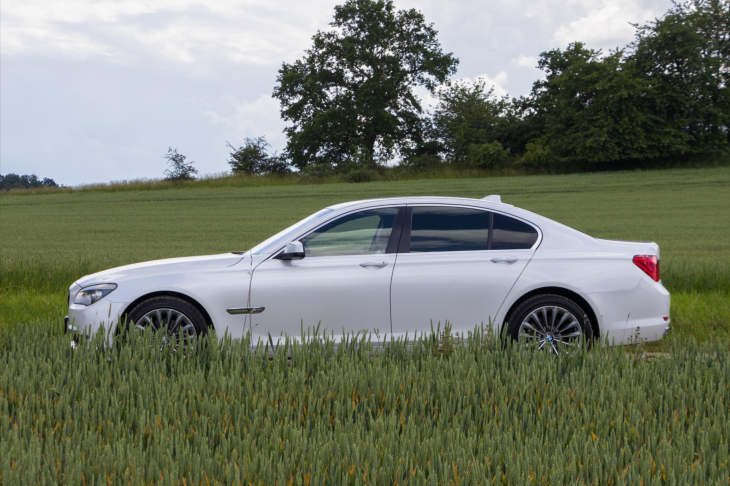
point(550, 322)
point(183, 323)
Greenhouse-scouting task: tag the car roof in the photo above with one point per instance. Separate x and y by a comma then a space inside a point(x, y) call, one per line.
point(417, 200)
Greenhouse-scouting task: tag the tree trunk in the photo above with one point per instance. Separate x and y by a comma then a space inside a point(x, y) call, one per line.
point(370, 146)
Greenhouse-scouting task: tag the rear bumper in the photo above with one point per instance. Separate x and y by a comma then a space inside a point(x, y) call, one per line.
point(641, 314)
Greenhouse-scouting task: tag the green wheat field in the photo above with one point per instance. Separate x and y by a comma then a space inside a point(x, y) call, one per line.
point(441, 412)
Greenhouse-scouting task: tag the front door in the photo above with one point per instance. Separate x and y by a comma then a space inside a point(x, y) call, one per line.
point(341, 285)
point(449, 269)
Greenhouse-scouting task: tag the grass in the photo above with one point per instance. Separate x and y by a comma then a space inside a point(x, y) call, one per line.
point(48, 240)
point(475, 414)
point(226, 179)
point(437, 413)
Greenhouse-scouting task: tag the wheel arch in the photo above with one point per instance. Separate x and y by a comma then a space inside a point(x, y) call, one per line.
point(569, 294)
point(169, 293)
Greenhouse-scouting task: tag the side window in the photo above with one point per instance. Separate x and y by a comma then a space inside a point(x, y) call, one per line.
point(512, 234)
point(449, 229)
point(361, 233)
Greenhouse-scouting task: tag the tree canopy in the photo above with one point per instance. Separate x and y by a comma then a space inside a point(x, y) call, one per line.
point(254, 158)
point(683, 61)
point(665, 95)
point(350, 99)
point(468, 118)
point(27, 181)
point(179, 169)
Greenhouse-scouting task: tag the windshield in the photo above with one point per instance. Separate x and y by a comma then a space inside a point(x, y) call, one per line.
point(282, 236)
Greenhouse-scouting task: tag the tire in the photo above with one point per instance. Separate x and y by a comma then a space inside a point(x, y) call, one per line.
point(177, 314)
point(523, 323)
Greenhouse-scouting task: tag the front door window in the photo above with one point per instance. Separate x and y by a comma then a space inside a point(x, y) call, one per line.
point(361, 233)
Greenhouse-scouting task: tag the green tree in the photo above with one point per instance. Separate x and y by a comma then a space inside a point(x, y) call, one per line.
point(668, 96)
point(684, 59)
point(351, 96)
point(591, 107)
point(469, 120)
point(26, 181)
point(179, 170)
point(253, 158)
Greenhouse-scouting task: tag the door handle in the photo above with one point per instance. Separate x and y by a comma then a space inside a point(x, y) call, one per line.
point(509, 260)
point(373, 264)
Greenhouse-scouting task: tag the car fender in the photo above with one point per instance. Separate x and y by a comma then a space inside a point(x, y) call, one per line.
point(215, 290)
point(582, 271)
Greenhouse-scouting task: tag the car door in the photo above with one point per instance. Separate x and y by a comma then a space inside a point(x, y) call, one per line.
point(456, 264)
point(341, 285)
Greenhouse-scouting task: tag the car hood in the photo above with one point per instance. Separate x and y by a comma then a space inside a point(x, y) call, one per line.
point(164, 267)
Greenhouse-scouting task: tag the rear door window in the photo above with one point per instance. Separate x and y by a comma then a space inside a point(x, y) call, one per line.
point(439, 229)
point(512, 234)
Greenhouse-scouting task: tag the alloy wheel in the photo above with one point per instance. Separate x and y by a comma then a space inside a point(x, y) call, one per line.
point(551, 328)
point(180, 330)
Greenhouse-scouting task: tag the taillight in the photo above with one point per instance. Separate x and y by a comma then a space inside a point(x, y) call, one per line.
point(649, 264)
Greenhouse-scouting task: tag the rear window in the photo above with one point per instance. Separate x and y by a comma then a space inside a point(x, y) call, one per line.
point(512, 234)
point(449, 229)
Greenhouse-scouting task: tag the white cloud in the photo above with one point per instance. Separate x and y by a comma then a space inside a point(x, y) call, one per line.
point(428, 101)
point(27, 39)
point(251, 119)
point(152, 73)
point(525, 61)
point(604, 24)
point(499, 82)
point(184, 31)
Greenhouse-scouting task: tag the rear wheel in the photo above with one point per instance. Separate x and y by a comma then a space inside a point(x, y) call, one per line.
point(182, 322)
point(551, 323)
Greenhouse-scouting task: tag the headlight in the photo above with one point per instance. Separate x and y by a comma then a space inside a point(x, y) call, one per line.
point(90, 295)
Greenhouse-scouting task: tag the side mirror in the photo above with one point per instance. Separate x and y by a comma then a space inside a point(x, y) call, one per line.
point(294, 250)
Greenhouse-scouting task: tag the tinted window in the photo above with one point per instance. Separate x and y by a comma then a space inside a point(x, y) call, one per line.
point(512, 234)
point(362, 233)
point(449, 229)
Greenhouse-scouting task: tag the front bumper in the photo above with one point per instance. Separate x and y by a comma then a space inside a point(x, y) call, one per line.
point(68, 327)
point(88, 320)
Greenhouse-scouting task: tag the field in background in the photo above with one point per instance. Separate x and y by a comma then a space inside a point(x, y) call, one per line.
point(48, 240)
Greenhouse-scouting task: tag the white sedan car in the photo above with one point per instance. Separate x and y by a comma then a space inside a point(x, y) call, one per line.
point(395, 267)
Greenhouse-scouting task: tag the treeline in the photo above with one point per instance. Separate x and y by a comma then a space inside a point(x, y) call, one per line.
point(664, 99)
point(27, 181)
point(350, 104)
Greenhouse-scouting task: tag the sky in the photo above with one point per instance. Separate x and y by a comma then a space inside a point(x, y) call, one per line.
point(97, 90)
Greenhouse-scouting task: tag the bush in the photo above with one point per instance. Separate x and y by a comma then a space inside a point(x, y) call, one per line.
point(179, 170)
point(538, 154)
point(361, 175)
point(487, 155)
point(423, 163)
point(253, 158)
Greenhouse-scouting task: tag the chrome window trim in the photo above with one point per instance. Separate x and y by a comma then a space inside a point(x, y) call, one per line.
point(401, 205)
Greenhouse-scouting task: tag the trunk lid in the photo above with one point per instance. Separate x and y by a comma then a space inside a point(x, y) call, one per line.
point(640, 247)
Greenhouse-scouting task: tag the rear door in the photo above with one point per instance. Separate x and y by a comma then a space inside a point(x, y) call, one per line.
point(456, 264)
point(342, 284)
